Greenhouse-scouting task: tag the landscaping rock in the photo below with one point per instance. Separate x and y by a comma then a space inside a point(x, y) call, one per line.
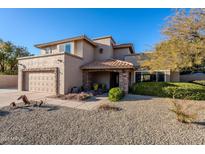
point(142, 120)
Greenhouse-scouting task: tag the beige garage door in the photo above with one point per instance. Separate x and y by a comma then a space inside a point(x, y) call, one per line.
point(39, 82)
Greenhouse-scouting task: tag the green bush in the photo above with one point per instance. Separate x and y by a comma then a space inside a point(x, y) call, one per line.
point(82, 88)
point(201, 82)
point(104, 88)
point(95, 86)
point(170, 89)
point(115, 94)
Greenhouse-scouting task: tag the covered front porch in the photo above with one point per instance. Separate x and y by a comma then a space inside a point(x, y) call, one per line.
point(112, 73)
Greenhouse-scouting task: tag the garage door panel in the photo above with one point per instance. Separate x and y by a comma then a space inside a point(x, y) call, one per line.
point(39, 82)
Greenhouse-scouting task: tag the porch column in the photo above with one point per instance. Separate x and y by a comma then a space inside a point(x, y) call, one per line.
point(124, 80)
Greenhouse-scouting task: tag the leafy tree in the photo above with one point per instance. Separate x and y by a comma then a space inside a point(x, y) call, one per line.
point(184, 46)
point(8, 56)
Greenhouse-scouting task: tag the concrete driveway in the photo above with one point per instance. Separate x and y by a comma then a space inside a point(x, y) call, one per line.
point(7, 90)
point(10, 95)
point(89, 104)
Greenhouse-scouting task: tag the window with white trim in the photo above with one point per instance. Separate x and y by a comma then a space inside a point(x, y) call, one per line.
point(67, 48)
point(150, 77)
point(48, 50)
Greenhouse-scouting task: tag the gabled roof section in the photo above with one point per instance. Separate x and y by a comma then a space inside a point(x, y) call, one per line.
point(82, 37)
point(125, 45)
point(104, 37)
point(107, 64)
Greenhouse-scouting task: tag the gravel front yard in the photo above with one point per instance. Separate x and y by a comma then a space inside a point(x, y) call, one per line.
point(143, 121)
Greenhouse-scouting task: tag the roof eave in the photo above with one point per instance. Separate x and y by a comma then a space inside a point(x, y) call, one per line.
point(130, 46)
point(104, 37)
point(117, 68)
point(43, 45)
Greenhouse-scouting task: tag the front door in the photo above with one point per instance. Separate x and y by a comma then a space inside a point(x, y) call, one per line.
point(114, 79)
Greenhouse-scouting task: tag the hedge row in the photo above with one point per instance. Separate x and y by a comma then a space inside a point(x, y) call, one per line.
point(170, 89)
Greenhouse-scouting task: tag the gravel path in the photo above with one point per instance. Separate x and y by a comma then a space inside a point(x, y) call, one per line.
point(143, 121)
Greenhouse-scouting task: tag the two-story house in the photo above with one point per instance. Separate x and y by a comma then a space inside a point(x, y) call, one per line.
point(78, 61)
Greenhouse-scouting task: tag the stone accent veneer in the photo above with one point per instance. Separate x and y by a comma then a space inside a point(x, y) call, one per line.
point(124, 80)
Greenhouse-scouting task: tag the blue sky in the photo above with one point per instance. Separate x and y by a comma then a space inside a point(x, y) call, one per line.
point(27, 27)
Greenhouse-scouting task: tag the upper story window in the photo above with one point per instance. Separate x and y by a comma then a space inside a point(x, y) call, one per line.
point(67, 48)
point(48, 50)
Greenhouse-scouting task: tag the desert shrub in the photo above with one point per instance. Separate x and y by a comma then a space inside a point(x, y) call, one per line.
point(178, 90)
point(201, 82)
point(95, 86)
point(108, 107)
point(115, 94)
point(182, 113)
point(82, 88)
point(83, 96)
point(74, 96)
point(104, 87)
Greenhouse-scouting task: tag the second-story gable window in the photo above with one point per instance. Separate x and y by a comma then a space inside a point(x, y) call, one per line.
point(48, 50)
point(67, 48)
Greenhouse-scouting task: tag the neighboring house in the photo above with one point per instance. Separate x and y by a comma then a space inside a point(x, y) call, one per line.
point(78, 61)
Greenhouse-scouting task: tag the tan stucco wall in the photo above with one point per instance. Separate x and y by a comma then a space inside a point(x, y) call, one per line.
point(102, 78)
point(88, 53)
point(104, 41)
point(70, 74)
point(78, 48)
point(8, 81)
point(120, 53)
point(73, 73)
point(43, 62)
point(105, 44)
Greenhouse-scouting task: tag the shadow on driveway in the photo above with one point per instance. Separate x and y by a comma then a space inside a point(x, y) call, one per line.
point(4, 113)
point(132, 97)
point(199, 123)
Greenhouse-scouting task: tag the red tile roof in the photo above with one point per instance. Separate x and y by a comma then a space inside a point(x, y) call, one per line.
point(108, 64)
